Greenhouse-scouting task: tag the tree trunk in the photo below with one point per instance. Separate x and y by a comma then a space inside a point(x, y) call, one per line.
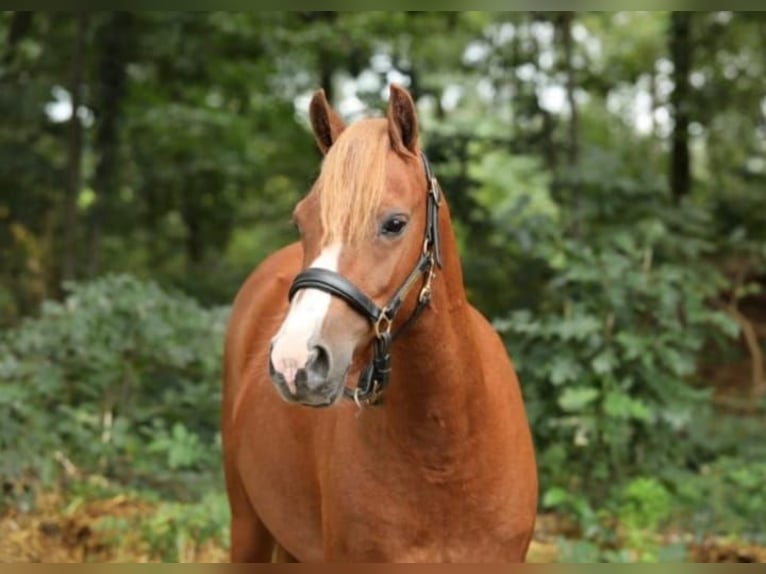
point(75, 152)
point(19, 27)
point(113, 47)
point(653, 99)
point(193, 214)
point(750, 336)
point(516, 85)
point(325, 64)
point(326, 75)
point(681, 55)
point(545, 136)
point(565, 28)
point(564, 25)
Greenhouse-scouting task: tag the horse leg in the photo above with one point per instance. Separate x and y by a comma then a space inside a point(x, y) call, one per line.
point(282, 555)
point(250, 539)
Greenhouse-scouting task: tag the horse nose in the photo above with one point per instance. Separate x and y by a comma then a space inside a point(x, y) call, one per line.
point(318, 365)
point(302, 378)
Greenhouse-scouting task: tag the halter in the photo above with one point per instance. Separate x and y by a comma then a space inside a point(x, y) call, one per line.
point(374, 377)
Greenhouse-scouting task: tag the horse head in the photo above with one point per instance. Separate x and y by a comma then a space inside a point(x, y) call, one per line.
point(369, 235)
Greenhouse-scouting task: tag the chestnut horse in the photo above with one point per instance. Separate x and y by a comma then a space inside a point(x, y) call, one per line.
point(431, 458)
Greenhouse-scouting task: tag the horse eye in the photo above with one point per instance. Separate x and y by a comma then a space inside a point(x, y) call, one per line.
point(393, 226)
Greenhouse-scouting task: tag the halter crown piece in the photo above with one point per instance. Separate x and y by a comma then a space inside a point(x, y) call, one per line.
point(374, 377)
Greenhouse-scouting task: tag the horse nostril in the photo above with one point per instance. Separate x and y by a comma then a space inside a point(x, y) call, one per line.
point(319, 364)
point(301, 378)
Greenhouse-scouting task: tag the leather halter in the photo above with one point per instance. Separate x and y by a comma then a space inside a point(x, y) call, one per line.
point(374, 377)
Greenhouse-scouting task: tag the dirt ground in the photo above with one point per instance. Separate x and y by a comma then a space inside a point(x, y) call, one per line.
point(59, 530)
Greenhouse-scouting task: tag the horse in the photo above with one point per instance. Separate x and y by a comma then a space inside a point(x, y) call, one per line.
point(369, 412)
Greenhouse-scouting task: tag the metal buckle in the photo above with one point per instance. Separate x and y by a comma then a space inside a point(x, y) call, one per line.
point(383, 321)
point(434, 189)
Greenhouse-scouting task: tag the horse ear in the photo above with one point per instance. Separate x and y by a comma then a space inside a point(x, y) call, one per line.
point(325, 122)
point(402, 121)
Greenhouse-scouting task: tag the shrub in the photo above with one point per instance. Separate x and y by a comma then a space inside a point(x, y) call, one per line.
point(170, 531)
point(120, 378)
point(726, 496)
point(607, 361)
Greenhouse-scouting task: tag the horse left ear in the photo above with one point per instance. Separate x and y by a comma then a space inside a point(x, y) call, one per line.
point(402, 121)
point(325, 122)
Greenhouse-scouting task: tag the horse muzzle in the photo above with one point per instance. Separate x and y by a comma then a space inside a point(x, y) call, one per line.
point(311, 384)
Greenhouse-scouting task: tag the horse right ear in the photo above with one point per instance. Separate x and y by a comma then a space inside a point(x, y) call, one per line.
point(325, 122)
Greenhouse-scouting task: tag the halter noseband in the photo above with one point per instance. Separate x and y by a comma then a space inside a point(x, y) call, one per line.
point(374, 377)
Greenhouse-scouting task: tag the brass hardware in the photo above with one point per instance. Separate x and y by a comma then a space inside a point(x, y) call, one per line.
point(383, 324)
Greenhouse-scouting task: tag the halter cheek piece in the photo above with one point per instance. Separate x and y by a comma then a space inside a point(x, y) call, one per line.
point(374, 377)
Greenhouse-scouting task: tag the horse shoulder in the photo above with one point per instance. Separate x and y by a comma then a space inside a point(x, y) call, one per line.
point(501, 379)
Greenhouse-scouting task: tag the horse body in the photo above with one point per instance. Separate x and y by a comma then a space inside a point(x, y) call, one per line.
point(443, 470)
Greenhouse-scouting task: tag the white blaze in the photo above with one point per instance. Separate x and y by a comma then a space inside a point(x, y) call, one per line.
point(290, 349)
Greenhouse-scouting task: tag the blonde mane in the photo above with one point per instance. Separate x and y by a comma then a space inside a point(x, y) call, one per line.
point(352, 180)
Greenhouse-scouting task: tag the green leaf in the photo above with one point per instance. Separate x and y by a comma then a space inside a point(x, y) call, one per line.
point(555, 496)
point(622, 406)
point(564, 369)
point(605, 362)
point(575, 399)
point(578, 328)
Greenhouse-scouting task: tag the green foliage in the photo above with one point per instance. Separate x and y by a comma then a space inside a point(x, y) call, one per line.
point(171, 532)
point(512, 215)
point(725, 496)
point(575, 505)
point(625, 529)
point(578, 551)
point(120, 378)
point(606, 360)
point(643, 504)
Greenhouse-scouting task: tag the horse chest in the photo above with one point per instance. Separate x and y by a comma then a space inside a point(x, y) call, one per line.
point(425, 523)
point(423, 537)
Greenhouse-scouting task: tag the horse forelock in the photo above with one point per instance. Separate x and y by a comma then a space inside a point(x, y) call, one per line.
point(352, 181)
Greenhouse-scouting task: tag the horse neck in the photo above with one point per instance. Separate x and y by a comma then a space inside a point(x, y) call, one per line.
point(437, 391)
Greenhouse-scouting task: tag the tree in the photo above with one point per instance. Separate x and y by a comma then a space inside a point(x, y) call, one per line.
point(681, 51)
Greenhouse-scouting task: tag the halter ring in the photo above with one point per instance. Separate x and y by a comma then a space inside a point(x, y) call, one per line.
point(356, 398)
point(373, 395)
point(425, 292)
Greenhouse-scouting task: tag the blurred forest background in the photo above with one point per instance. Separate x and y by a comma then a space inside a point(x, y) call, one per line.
point(606, 174)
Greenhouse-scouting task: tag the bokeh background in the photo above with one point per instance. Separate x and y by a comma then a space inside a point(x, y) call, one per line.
point(606, 176)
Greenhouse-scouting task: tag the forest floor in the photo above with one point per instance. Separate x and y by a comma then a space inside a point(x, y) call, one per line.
point(62, 530)
point(59, 531)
